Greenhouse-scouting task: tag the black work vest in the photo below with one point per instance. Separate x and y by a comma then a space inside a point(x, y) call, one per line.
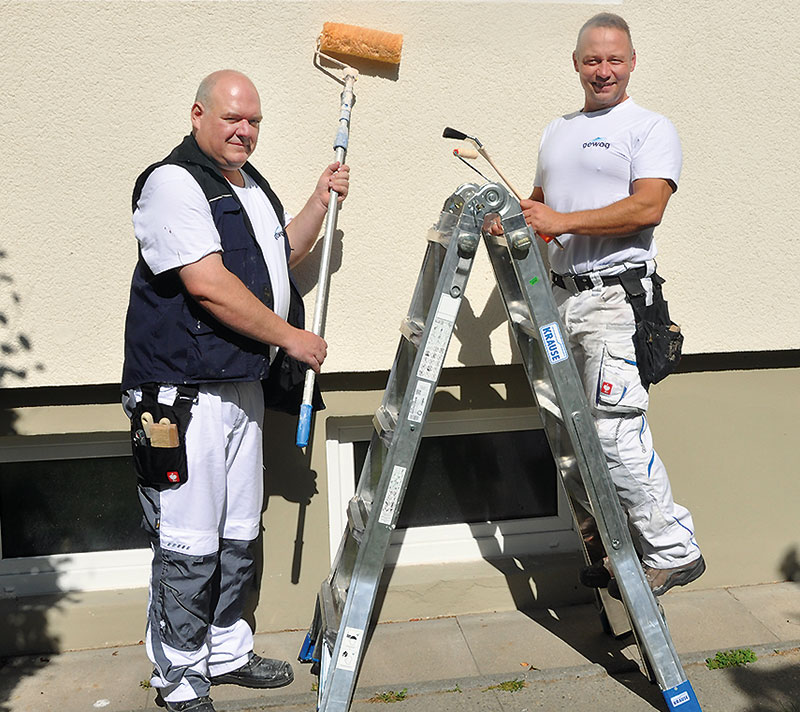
point(169, 337)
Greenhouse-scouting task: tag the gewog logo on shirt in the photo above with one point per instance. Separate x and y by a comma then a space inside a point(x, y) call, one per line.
point(599, 142)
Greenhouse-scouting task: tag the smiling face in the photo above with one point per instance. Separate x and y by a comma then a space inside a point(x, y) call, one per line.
point(604, 60)
point(225, 120)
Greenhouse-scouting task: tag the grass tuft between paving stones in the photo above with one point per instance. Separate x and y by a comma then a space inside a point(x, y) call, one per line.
point(507, 686)
point(731, 658)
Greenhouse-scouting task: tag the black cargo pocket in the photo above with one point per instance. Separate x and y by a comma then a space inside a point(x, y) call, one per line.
point(158, 435)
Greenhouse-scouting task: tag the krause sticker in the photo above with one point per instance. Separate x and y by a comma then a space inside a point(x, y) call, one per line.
point(553, 342)
point(348, 653)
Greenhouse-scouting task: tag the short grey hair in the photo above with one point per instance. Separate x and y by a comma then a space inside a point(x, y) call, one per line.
point(605, 19)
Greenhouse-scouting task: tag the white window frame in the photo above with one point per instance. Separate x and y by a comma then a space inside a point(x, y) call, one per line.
point(449, 542)
point(87, 571)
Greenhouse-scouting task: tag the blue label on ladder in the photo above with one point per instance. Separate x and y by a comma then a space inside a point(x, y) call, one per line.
point(682, 698)
point(553, 342)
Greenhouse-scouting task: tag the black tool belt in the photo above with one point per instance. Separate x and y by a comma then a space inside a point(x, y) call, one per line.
point(158, 436)
point(658, 340)
point(580, 283)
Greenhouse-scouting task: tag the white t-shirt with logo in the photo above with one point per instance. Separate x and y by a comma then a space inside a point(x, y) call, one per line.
point(174, 227)
point(590, 160)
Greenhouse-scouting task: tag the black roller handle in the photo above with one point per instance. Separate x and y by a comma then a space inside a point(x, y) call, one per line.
point(452, 133)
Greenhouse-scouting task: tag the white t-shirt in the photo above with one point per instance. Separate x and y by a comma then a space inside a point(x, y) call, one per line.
point(174, 227)
point(590, 160)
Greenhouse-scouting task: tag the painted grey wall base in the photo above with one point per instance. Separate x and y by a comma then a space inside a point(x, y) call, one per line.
point(728, 440)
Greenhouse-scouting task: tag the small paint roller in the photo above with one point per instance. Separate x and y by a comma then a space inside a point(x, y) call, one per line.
point(465, 152)
point(363, 43)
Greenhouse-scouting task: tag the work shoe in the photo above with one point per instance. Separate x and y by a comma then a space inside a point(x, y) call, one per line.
point(597, 575)
point(198, 704)
point(257, 672)
point(662, 580)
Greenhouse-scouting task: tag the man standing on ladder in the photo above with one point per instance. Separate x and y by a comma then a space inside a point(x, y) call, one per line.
point(603, 179)
point(211, 303)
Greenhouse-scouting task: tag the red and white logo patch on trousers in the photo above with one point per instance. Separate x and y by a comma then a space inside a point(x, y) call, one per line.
point(606, 388)
point(173, 477)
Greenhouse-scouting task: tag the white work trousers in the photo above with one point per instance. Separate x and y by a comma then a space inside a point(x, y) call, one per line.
point(201, 533)
point(600, 324)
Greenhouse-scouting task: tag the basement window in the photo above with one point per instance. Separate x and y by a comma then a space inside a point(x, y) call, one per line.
point(484, 484)
point(69, 515)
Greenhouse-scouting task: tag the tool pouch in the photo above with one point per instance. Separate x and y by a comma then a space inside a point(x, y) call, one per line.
point(657, 339)
point(158, 437)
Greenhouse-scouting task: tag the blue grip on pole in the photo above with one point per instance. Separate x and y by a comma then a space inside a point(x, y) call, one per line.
point(304, 425)
point(682, 698)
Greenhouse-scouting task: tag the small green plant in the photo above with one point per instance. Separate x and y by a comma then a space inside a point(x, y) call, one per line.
point(390, 696)
point(145, 684)
point(457, 688)
point(731, 658)
point(508, 686)
point(314, 687)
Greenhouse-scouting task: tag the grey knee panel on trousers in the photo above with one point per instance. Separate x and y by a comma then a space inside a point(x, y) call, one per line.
point(236, 574)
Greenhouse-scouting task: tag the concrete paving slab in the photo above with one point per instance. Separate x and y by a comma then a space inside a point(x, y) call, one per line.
point(420, 650)
point(776, 605)
point(511, 642)
point(702, 620)
point(78, 681)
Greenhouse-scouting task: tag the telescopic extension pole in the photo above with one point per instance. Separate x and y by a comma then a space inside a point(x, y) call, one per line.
point(321, 304)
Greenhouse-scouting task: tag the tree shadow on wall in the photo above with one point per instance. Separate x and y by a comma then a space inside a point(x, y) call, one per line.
point(16, 347)
point(25, 638)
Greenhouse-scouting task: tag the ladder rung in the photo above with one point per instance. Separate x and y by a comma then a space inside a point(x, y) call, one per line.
point(526, 327)
point(331, 615)
point(385, 421)
point(357, 514)
point(412, 330)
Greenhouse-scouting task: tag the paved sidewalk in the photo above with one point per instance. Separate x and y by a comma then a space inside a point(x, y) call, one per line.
point(560, 657)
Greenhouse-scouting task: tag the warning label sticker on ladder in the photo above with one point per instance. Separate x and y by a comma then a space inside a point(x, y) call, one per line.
point(348, 653)
point(419, 401)
point(439, 338)
point(392, 495)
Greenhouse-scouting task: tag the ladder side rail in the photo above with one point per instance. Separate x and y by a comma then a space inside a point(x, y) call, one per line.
point(530, 272)
point(348, 651)
point(330, 599)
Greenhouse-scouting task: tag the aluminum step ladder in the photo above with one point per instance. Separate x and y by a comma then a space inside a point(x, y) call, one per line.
point(338, 636)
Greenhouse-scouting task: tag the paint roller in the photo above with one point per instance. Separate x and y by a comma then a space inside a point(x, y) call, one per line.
point(468, 152)
point(361, 43)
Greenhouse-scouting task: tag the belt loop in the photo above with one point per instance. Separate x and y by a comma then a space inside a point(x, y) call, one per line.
point(650, 267)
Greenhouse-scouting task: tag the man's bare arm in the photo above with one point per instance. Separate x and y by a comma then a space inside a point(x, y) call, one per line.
point(225, 296)
point(643, 209)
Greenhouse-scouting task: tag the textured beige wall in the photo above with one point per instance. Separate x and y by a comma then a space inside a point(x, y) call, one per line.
point(95, 90)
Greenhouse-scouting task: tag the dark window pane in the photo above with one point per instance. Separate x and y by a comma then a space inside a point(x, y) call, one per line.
point(69, 506)
point(477, 478)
